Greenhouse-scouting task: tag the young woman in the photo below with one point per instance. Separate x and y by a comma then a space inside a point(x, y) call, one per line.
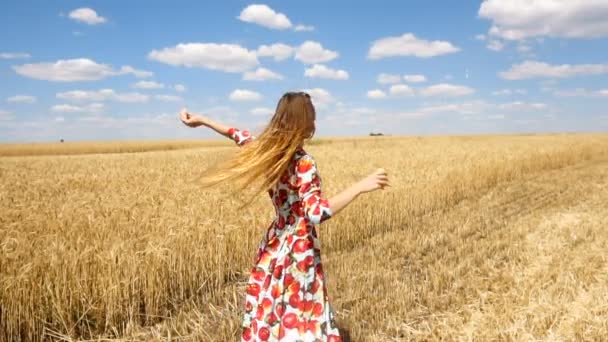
point(286, 296)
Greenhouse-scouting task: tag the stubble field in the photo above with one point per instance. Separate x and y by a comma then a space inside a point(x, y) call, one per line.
point(479, 238)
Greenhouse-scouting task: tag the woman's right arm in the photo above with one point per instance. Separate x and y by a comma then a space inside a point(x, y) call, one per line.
point(196, 120)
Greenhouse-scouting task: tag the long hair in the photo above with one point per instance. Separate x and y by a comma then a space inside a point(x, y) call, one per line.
point(268, 156)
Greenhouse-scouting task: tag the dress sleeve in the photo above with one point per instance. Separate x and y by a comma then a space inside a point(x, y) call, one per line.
point(314, 206)
point(240, 137)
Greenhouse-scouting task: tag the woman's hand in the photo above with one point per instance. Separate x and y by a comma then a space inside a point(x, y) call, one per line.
point(376, 180)
point(191, 120)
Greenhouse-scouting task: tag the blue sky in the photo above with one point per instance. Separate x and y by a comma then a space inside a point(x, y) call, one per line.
point(96, 70)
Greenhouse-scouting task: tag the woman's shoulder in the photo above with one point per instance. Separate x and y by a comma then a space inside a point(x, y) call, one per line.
point(303, 156)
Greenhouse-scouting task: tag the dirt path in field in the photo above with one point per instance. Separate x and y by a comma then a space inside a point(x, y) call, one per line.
point(525, 260)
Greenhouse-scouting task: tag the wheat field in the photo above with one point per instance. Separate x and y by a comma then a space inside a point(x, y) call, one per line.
point(479, 238)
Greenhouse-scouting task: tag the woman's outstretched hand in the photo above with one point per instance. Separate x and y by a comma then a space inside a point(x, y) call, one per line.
point(191, 120)
point(376, 180)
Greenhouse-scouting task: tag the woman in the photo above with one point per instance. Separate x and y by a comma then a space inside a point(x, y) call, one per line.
point(286, 293)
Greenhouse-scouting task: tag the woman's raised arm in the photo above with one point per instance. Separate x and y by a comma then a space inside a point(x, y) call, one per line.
point(195, 120)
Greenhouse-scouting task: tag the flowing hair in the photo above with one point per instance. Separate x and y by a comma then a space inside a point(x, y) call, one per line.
point(267, 157)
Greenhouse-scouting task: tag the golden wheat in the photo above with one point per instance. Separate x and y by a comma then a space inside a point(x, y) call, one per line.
point(126, 245)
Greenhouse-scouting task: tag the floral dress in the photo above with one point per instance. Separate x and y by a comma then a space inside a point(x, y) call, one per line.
point(286, 296)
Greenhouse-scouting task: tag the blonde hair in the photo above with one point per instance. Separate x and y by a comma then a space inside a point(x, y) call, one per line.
point(268, 156)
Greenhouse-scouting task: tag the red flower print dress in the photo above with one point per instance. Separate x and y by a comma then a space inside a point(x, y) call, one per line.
point(286, 296)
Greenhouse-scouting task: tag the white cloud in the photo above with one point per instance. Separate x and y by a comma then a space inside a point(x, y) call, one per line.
point(408, 45)
point(101, 95)
point(518, 105)
point(67, 108)
point(311, 52)
point(388, 78)
point(481, 37)
point(523, 48)
point(277, 51)
point(304, 28)
point(21, 99)
point(245, 95)
point(473, 107)
point(445, 89)
point(261, 74)
point(401, 90)
point(180, 88)
point(414, 78)
point(70, 70)
point(136, 72)
point(521, 19)
point(223, 57)
point(495, 45)
point(14, 55)
point(533, 69)
point(265, 16)
point(148, 85)
point(6, 115)
point(509, 92)
point(376, 94)
point(496, 116)
point(262, 111)
point(581, 92)
point(87, 16)
point(322, 71)
point(320, 97)
point(168, 98)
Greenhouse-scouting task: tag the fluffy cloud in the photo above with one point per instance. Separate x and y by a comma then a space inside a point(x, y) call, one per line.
point(245, 95)
point(311, 52)
point(223, 57)
point(70, 70)
point(87, 16)
point(472, 107)
point(533, 69)
point(67, 108)
point(414, 78)
point(261, 74)
point(278, 51)
point(388, 78)
point(521, 19)
point(445, 89)
point(376, 94)
point(401, 90)
point(320, 97)
point(495, 45)
point(304, 28)
point(168, 98)
point(322, 71)
point(21, 99)
point(510, 92)
point(180, 88)
point(581, 92)
point(101, 95)
point(265, 16)
point(5, 115)
point(14, 55)
point(408, 45)
point(148, 85)
point(518, 105)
